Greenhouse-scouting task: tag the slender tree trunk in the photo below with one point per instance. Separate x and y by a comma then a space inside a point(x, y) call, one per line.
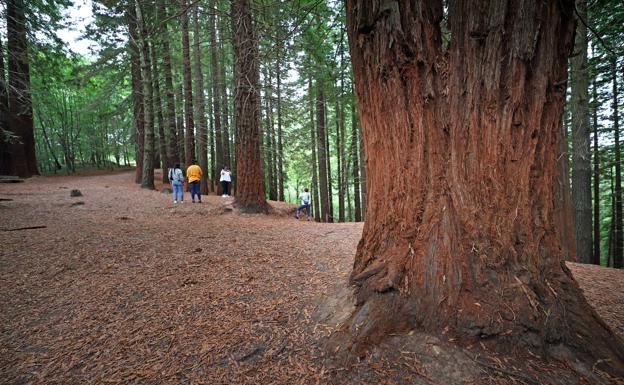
point(356, 168)
point(322, 151)
point(596, 253)
point(280, 147)
point(200, 103)
point(173, 152)
point(314, 162)
point(581, 154)
point(461, 147)
point(147, 177)
point(225, 137)
point(181, 144)
point(563, 200)
point(137, 93)
point(4, 119)
point(249, 189)
point(225, 126)
point(216, 100)
point(22, 152)
point(330, 184)
point(162, 139)
point(189, 139)
point(618, 257)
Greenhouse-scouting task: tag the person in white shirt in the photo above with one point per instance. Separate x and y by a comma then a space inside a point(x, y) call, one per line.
point(226, 179)
point(305, 203)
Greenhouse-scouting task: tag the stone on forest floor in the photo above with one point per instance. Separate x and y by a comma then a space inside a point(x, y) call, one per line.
point(75, 193)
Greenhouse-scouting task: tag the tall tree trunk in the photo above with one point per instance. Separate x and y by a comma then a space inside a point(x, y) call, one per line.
point(563, 200)
point(147, 176)
point(200, 103)
point(322, 150)
point(181, 144)
point(581, 154)
point(356, 168)
point(4, 119)
point(160, 119)
point(189, 138)
point(280, 147)
point(225, 126)
point(618, 257)
point(461, 148)
point(314, 164)
point(173, 152)
point(249, 188)
point(137, 93)
point(596, 248)
point(22, 152)
point(216, 100)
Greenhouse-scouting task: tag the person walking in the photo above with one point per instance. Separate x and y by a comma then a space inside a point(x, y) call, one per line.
point(305, 203)
point(194, 174)
point(226, 180)
point(176, 176)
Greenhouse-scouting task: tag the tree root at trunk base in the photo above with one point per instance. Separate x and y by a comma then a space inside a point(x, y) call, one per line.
point(440, 357)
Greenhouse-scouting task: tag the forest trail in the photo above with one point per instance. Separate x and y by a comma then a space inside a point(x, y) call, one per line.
point(123, 286)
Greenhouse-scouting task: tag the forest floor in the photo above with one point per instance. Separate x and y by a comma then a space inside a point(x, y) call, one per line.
point(123, 286)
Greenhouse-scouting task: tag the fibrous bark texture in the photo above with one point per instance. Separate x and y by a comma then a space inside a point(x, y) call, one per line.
point(249, 187)
point(461, 145)
point(138, 118)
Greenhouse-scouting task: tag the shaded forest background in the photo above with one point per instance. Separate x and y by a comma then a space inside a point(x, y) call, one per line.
point(164, 70)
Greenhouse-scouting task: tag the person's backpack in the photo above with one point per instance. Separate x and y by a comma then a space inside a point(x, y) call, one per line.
point(174, 176)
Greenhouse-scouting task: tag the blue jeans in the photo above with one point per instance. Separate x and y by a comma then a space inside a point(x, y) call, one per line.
point(304, 206)
point(194, 187)
point(178, 190)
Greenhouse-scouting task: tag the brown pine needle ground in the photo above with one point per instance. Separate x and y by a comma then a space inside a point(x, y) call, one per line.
point(128, 288)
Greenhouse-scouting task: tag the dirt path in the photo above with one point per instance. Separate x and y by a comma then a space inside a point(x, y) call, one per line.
point(122, 286)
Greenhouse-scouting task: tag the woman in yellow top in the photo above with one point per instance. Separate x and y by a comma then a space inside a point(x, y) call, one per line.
point(194, 173)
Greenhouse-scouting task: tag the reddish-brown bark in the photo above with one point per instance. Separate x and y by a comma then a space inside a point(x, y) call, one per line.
point(249, 187)
point(461, 147)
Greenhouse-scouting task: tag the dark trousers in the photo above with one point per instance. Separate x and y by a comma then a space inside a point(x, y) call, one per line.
point(194, 187)
point(225, 187)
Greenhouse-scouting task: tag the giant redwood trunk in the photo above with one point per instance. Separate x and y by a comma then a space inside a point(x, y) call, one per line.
point(249, 188)
point(22, 158)
point(4, 118)
point(461, 147)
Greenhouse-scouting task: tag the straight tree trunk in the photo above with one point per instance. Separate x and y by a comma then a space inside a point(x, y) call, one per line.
point(216, 100)
point(322, 151)
point(189, 138)
point(563, 200)
point(280, 147)
point(314, 162)
point(581, 154)
point(147, 176)
point(200, 103)
point(618, 257)
point(181, 144)
point(249, 189)
point(173, 153)
point(23, 160)
point(461, 147)
point(137, 93)
point(596, 249)
point(4, 118)
point(225, 137)
point(355, 163)
point(162, 139)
